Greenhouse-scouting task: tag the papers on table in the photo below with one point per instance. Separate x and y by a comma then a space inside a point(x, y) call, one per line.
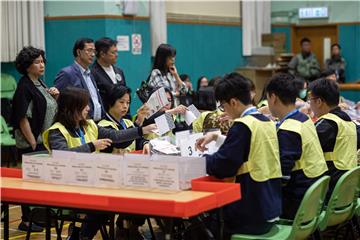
point(157, 100)
point(114, 171)
point(162, 146)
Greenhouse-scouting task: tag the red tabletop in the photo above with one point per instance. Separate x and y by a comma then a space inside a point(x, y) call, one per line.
point(207, 193)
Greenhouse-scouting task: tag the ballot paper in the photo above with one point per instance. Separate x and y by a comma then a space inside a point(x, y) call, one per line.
point(137, 170)
point(108, 171)
point(162, 146)
point(82, 169)
point(191, 114)
point(181, 135)
point(164, 173)
point(57, 170)
point(187, 146)
point(33, 167)
point(164, 123)
point(157, 100)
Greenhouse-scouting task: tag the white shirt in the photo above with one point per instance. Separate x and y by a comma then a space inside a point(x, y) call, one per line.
point(110, 72)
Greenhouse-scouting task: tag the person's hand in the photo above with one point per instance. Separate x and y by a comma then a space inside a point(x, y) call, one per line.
point(33, 145)
point(179, 109)
point(224, 118)
point(53, 91)
point(142, 113)
point(343, 106)
point(203, 141)
point(149, 128)
point(101, 144)
point(146, 149)
point(173, 70)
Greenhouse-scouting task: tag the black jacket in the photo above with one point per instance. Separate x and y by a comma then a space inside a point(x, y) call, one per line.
point(26, 92)
point(103, 81)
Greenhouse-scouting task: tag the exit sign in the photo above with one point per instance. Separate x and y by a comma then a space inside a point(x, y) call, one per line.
point(315, 12)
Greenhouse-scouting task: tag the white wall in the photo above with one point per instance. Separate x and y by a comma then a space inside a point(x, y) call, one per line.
point(205, 8)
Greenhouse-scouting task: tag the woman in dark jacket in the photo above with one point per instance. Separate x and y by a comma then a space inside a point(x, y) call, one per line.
point(34, 107)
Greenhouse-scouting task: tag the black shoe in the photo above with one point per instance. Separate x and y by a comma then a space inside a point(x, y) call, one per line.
point(24, 226)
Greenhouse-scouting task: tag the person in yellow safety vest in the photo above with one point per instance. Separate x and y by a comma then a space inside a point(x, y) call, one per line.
point(117, 103)
point(249, 155)
point(72, 131)
point(339, 136)
point(301, 156)
point(168, 108)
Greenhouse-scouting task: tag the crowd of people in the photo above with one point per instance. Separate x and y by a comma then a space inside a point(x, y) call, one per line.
point(276, 148)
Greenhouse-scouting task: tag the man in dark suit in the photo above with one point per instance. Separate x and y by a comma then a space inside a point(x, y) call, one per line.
point(79, 75)
point(105, 73)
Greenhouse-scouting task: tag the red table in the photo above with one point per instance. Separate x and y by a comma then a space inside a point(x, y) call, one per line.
point(207, 193)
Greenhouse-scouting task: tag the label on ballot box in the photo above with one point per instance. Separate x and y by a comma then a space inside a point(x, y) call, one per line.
point(108, 170)
point(57, 170)
point(137, 170)
point(82, 169)
point(164, 173)
point(33, 167)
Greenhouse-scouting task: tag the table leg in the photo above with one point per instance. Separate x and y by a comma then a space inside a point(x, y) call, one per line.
point(5, 206)
point(221, 222)
point(169, 228)
point(48, 224)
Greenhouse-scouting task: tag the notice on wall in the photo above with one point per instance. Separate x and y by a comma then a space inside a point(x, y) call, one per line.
point(136, 44)
point(123, 43)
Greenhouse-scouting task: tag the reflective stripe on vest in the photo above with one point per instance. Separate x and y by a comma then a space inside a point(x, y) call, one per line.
point(344, 154)
point(263, 162)
point(128, 123)
point(90, 131)
point(312, 161)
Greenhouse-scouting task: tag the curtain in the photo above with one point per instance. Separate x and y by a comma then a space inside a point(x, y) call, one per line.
point(157, 24)
point(22, 24)
point(256, 20)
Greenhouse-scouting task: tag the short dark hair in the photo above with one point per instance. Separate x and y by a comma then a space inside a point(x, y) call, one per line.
point(184, 76)
point(162, 53)
point(335, 45)
point(80, 44)
point(325, 89)
point(115, 93)
point(103, 45)
point(215, 80)
point(283, 85)
point(305, 39)
point(327, 72)
point(233, 85)
point(71, 102)
point(26, 57)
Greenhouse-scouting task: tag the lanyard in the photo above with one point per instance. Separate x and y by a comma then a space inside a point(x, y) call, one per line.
point(122, 123)
point(80, 134)
point(286, 117)
point(249, 111)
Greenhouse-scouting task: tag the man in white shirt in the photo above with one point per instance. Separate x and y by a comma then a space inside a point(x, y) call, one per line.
point(78, 75)
point(105, 72)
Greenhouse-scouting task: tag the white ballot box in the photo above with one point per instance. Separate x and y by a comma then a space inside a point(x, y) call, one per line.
point(82, 169)
point(137, 170)
point(175, 172)
point(109, 170)
point(33, 166)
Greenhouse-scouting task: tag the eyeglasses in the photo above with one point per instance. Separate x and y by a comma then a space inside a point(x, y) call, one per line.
point(221, 106)
point(90, 50)
point(313, 98)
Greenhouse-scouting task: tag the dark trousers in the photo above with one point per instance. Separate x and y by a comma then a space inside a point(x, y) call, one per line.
point(26, 209)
